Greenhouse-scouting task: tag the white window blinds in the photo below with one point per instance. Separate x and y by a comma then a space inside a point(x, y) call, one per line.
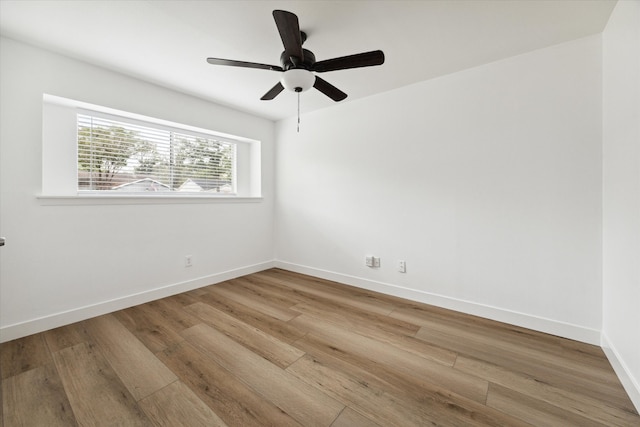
point(120, 156)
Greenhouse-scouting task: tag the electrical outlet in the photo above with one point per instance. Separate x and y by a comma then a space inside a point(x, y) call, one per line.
point(188, 260)
point(372, 261)
point(402, 266)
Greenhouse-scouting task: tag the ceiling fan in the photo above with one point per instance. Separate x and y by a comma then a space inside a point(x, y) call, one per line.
point(298, 65)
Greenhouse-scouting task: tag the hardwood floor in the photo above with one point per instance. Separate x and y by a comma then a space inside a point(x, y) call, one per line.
point(282, 349)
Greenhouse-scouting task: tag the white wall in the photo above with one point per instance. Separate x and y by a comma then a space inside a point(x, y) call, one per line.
point(487, 182)
point(64, 263)
point(621, 194)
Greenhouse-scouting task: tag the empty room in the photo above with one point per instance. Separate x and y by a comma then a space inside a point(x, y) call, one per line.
point(320, 213)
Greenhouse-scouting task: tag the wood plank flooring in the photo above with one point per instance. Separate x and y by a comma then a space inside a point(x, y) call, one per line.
point(278, 348)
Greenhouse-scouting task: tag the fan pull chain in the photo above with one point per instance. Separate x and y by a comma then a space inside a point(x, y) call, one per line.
point(298, 112)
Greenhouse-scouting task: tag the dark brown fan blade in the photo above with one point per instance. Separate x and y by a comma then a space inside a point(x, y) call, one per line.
point(232, 63)
point(328, 89)
point(273, 92)
point(366, 59)
point(289, 30)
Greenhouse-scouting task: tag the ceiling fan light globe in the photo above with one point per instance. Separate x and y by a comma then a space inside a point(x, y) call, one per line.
point(298, 80)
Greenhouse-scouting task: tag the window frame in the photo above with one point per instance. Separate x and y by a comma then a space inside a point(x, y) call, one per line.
point(60, 150)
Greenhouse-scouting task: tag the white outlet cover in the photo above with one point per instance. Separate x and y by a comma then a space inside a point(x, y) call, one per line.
point(402, 266)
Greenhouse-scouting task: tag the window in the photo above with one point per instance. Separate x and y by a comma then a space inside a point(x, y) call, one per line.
point(120, 156)
point(98, 155)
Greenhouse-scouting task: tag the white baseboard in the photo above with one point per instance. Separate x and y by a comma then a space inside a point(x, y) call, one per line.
point(33, 326)
point(549, 326)
point(631, 385)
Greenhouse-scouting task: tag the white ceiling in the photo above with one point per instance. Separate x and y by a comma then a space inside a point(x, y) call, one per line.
point(167, 42)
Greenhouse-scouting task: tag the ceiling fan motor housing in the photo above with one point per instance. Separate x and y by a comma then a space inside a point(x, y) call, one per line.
point(289, 62)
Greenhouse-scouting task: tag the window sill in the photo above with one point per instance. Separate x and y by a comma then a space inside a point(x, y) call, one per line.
point(138, 199)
